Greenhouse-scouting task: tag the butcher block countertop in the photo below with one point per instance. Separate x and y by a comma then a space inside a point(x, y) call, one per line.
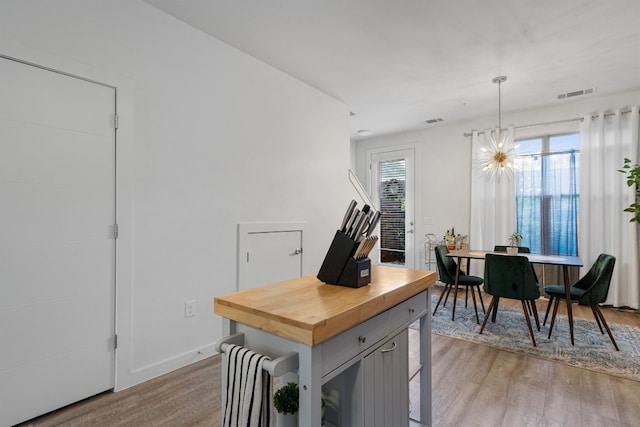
point(309, 311)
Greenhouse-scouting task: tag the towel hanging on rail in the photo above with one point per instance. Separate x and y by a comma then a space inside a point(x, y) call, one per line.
point(248, 399)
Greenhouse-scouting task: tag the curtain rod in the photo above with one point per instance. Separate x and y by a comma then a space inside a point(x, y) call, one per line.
point(553, 123)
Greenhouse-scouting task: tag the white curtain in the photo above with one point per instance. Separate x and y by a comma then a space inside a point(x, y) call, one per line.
point(493, 201)
point(604, 227)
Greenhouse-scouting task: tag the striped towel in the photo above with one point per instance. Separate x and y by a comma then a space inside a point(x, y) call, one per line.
point(248, 400)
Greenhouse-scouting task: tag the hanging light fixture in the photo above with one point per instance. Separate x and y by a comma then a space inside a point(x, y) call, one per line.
point(497, 155)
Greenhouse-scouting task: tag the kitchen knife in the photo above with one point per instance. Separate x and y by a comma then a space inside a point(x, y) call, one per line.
point(374, 223)
point(364, 224)
point(356, 225)
point(347, 215)
point(349, 225)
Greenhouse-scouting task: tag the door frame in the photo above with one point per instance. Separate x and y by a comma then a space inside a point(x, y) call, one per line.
point(406, 152)
point(18, 56)
point(246, 228)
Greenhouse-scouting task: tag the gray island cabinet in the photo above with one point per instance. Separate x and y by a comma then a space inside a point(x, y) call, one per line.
point(351, 344)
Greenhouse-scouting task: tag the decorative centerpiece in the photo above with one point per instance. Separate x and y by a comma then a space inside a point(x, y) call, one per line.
point(514, 243)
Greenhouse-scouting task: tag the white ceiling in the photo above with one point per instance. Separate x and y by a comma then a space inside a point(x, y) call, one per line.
point(397, 63)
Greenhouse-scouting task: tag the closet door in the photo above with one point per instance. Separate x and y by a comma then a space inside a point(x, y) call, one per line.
point(57, 247)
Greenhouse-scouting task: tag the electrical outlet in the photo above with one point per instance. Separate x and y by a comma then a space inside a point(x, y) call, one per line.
point(190, 308)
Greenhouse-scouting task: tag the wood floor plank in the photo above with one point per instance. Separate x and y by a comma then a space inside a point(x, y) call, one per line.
point(626, 398)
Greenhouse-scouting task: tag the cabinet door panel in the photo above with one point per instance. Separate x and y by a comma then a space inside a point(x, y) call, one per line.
point(386, 384)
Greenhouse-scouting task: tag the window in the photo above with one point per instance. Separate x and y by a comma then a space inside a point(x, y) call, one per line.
point(547, 193)
point(392, 190)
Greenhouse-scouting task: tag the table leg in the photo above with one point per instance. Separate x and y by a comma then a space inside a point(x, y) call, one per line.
point(567, 296)
point(455, 293)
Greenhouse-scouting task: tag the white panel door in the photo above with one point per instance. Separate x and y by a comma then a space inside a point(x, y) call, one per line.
point(273, 257)
point(57, 252)
point(269, 253)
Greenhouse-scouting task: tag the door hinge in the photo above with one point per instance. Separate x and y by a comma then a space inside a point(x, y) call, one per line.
point(116, 121)
point(115, 342)
point(115, 231)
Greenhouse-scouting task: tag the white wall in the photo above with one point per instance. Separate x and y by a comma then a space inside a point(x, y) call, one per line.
point(443, 160)
point(209, 137)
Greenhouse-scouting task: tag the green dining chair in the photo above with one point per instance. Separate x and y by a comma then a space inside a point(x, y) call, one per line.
point(592, 289)
point(447, 275)
point(511, 276)
point(521, 249)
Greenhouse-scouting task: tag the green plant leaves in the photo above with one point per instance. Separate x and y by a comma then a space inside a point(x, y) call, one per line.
point(633, 178)
point(285, 400)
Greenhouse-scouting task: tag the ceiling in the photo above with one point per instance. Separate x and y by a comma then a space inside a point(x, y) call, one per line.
point(398, 63)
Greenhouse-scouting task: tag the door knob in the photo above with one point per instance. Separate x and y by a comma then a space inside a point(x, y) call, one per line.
point(298, 251)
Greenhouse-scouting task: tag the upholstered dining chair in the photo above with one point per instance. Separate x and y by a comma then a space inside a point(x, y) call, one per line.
point(511, 276)
point(521, 250)
point(592, 289)
point(447, 271)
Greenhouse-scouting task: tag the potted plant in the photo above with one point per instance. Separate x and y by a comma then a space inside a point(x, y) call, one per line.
point(286, 403)
point(514, 243)
point(633, 178)
point(285, 400)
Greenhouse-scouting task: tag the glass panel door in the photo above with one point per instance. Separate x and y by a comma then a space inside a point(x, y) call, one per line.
point(392, 179)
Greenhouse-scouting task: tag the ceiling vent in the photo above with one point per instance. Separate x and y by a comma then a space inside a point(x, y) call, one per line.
point(577, 93)
point(432, 121)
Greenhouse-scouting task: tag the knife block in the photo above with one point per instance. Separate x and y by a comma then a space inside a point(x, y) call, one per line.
point(356, 273)
point(339, 267)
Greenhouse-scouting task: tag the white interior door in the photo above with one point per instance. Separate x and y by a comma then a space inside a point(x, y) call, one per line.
point(392, 186)
point(269, 253)
point(57, 251)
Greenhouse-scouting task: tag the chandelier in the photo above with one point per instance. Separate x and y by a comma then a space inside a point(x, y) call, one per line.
point(497, 154)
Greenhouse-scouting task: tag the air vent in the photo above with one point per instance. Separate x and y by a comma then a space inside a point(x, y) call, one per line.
point(432, 121)
point(577, 93)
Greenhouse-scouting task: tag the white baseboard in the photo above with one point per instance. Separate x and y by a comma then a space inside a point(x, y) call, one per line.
point(149, 372)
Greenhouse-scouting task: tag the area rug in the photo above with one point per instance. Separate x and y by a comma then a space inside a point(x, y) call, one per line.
point(592, 349)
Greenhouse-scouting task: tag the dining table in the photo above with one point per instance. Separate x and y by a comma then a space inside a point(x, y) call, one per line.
point(561, 260)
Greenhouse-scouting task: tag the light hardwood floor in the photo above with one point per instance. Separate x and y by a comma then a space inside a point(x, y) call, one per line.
point(473, 385)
